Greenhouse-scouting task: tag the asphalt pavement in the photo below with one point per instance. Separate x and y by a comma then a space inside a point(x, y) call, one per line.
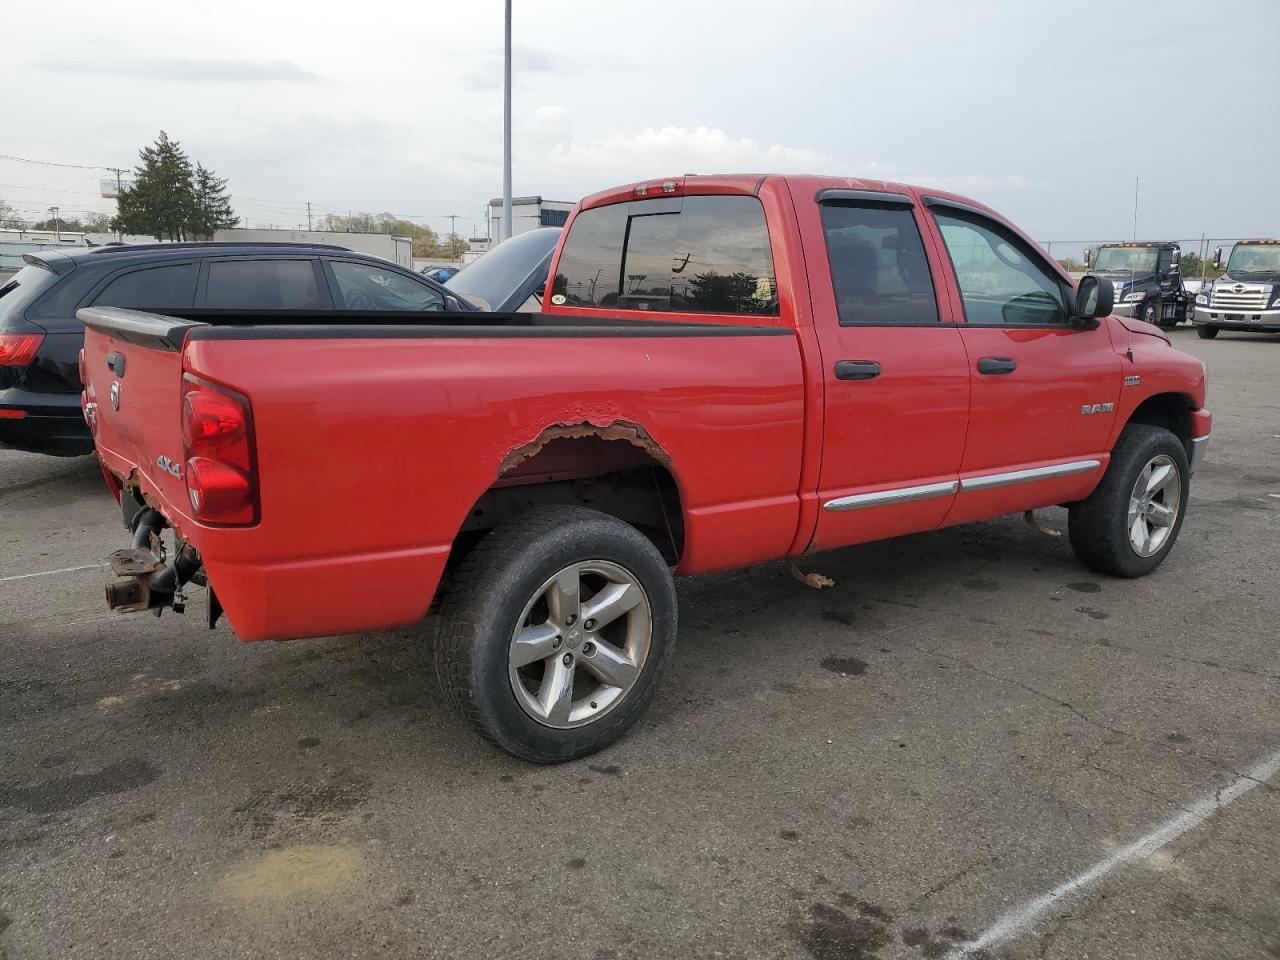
point(970, 743)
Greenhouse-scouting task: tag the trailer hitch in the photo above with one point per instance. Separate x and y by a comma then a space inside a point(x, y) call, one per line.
point(149, 582)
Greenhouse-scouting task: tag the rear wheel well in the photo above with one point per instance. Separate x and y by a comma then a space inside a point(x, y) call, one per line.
point(1172, 411)
point(616, 470)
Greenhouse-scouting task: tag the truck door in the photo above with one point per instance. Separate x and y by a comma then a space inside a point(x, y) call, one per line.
point(896, 382)
point(1043, 392)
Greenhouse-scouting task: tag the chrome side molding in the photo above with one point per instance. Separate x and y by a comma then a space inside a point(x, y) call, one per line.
point(993, 480)
point(927, 491)
point(882, 498)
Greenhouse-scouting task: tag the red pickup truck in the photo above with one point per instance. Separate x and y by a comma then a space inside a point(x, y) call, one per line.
point(727, 370)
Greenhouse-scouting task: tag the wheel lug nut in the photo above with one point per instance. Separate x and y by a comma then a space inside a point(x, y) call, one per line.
point(570, 620)
point(588, 624)
point(567, 660)
point(555, 644)
point(588, 648)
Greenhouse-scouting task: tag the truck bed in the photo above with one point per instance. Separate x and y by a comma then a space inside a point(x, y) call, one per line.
point(376, 435)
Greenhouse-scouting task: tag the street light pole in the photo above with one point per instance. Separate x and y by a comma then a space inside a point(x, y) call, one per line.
point(506, 129)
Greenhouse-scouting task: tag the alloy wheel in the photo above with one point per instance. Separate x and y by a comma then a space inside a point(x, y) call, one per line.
point(1154, 504)
point(580, 644)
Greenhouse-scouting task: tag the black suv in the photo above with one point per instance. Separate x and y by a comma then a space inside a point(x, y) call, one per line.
point(40, 338)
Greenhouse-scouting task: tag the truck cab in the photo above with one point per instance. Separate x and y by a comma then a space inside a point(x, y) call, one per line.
point(1247, 296)
point(1147, 278)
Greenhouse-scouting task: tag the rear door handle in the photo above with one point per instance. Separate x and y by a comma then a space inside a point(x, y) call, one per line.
point(857, 369)
point(997, 365)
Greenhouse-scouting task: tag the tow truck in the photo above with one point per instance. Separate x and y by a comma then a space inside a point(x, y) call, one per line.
point(1147, 278)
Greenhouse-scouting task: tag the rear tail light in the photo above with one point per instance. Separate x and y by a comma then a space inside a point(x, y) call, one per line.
point(217, 440)
point(19, 349)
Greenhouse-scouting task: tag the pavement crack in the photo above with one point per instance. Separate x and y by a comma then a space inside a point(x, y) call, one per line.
point(1065, 705)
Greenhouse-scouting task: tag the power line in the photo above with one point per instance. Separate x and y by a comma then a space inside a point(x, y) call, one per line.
point(50, 163)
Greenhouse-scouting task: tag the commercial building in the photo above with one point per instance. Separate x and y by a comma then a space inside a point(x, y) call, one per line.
point(527, 213)
point(396, 249)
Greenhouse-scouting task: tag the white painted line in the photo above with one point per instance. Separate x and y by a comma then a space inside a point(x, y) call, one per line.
point(50, 573)
point(1020, 919)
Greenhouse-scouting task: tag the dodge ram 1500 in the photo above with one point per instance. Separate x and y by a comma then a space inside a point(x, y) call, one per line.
point(726, 370)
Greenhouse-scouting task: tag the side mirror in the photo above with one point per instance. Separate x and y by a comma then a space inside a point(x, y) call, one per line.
point(1217, 259)
point(1177, 259)
point(1095, 298)
point(1088, 259)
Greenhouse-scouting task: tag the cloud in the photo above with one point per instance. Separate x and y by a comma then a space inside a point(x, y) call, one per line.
point(197, 71)
point(527, 61)
point(658, 151)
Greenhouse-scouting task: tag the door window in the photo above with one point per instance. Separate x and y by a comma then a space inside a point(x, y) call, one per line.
point(1000, 284)
point(692, 255)
point(878, 266)
point(172, 285)
point(368, 286)
point(263, 285)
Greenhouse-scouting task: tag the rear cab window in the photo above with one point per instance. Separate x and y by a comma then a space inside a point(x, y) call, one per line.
point(693, 254)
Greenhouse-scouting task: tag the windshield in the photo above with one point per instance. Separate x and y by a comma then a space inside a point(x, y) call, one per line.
point(1254, 260)
point(21, 289)
point(1126, 260)
point(499, 275)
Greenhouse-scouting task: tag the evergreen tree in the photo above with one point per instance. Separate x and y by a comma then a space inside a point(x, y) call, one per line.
point(171, 201)
point(212, 205)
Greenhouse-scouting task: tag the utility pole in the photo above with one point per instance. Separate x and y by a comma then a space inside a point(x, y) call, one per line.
point(506, 129)
point(117, 171)
point(308, 216)
point(453, 232)
point(57, 227)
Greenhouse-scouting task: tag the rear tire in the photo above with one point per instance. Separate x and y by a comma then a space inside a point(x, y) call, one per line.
point(554, 633)
point(1130, 522)
point(1206, 332)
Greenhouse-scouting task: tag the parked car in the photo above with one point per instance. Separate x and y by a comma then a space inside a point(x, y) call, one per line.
point(509, 277)
point(729, 369)
point(1147, 278)
point(1247, 296)
point(40, 336)
point(438, 274)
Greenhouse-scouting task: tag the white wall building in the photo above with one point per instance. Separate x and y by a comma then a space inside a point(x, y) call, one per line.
point(527, 213)
point(396, 249)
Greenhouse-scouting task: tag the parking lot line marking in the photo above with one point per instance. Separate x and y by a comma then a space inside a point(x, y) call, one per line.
point(50, 573)
point(1020, 919)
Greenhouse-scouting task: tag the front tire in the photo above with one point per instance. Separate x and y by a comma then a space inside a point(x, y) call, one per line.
point(1130, 522)
point(1206, 332)
point(554, 632)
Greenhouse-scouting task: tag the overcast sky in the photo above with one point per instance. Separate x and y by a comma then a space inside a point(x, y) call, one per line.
point(1045, 111)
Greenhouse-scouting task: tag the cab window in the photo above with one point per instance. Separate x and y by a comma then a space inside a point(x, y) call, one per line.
point(690, 255)
point(879, 270)
point(1000, 283)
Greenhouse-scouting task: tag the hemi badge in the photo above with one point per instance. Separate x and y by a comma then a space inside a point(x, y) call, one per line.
point(1089, 408)
point(1132, 381)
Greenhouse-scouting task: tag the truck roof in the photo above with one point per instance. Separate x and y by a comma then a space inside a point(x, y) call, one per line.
point(751, 184)
point(1141, 243)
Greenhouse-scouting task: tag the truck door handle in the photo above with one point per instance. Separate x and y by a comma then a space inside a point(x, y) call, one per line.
point(997, 365)
point(857, 369)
